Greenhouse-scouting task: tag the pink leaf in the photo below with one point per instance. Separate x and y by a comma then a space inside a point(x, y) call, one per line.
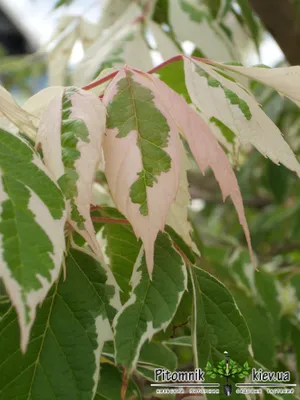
point(124, 159)
point(205, 148)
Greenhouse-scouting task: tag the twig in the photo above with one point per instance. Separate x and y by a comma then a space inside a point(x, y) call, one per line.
point(151, 71)
point(107, 220)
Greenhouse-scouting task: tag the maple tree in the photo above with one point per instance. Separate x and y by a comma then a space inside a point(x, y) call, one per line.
point(91, 287)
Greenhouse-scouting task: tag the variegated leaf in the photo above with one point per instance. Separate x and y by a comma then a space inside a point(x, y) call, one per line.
point(142, 155)
point(213, 302)
point(286, 80)
point(178, 213)
point(63, 356)
point(71, 132)
point(9, 109)
point(115, 52)
point(37, 103)
point(64, 39)
point(205, 148)
point(110, 45)
point(112, 10)
point(191, 21)
point(227, 103)
point(32, 219)
point(165, 45)
point(153, 302)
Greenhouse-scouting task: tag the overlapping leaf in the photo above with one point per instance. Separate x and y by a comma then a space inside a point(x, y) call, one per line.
point(71, 132)
point(116, 47)
point(62, 359)
point(284, 80)
point(218, 325)
point(191, 21)
point(32, 219)
point(15, 114)
point(142, 155)
point(165, 45)
point(121, 247)
point(152, 303)
point(111, 383)
point(152, 355)
point(205, 148)
point(220, 98)
point(177, 217)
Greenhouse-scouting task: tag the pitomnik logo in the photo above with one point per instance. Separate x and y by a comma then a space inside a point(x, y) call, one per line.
point(228, 369)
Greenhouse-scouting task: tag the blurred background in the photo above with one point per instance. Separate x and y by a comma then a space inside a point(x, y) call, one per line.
point(45, 42)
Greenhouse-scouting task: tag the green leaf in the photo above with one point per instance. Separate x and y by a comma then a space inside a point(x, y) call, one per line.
point(173, 75)
point(179, 341)
point(226, 132)
point(181, 244)
point(127, 113)
point(110, 385)
point(214, 6)
point(61, 3)
point(153, 302)
point(71, 132)
point(121, 248)
point(250, 20)
point(63, 355)
point(295, 336)
point(266, 285)
point(32, 219)
point(218, 325)
point(261, 329)
point(161, 12)
point(195, 14)
point(277, 180)
point(155, 354)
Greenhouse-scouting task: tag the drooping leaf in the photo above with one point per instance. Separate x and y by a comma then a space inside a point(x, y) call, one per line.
point(37, 104)
point(295, 336)
point(152, 304)
point(153, 355)
point(250, 20)
point(16, 115)
point(63, 355)
point(71, 132)
point(112, 11)
point(267, 287)
point(173, 75)
point(165, 45)
point(220, 97)
point(110, 385)
point(205, 149)
point(115, 48)
point(64, 39)
point(177, 217)
point(32, 218)
point(284, 80)
point(142, 155)
point(260, 327)
point(60, 3)
point(180, 341)
point(121, 247)
point(192, 21)
point(218, 325)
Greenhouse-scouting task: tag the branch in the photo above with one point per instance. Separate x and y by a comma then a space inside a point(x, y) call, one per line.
point(278, 16)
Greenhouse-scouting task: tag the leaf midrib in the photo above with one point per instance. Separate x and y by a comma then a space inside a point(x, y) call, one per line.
point(43, 339)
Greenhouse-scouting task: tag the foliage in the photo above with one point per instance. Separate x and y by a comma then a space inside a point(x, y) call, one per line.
point(107, 273)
